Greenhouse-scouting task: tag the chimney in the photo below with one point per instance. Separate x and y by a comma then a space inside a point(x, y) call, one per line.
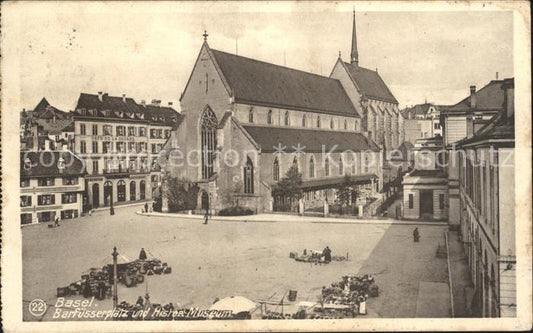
point(470, 114)
point(124, 98)
point(101, 96)
point(473, 99)
point(156, 102)
point(508, 102)
point(169, 103)
point(496, 75)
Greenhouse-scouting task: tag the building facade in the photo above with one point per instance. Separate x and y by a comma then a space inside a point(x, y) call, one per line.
point(425, 187)
point(51, 185)
point(480, 106)
point(246, 122)
point(120, 140)
point(422, 121)
point(487, 204)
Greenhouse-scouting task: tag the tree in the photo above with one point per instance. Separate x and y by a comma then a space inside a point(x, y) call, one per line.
point(291, 184)
point(346, 192)
point(181, 194)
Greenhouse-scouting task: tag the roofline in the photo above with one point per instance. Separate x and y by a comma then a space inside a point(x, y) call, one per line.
point(290, 107)
point(395, 101)
point(485, 142)
point(485, 86)
point(217, 67)
point(272, 64)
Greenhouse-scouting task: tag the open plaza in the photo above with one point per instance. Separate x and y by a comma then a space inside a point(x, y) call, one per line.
point(241, 258)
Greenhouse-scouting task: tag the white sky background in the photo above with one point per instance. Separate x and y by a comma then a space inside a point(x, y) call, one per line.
point(147, 51)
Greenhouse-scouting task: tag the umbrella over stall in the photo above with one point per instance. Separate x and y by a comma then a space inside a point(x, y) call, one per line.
point(236, 304)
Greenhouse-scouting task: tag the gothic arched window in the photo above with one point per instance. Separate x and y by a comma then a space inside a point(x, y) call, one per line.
point(295, 162)
point(287, 120)
point(312, 167)
point(275, 169)
point(345, 124)
point(251, 116)
point(326, 166)
point(269, 117)
point(318, 122)
point(249, 176)
point(341, 166)
point(331, 124)
point(208, 132)
point(304, 121)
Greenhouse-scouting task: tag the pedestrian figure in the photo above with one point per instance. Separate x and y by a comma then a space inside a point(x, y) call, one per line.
point(206, 216)
point(327, 254)
point(416, 235)
point(142, 254)
point(56, 222)
point(140, 301)
point(146, 207)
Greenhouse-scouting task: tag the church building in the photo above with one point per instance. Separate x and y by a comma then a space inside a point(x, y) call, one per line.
point(246, 122)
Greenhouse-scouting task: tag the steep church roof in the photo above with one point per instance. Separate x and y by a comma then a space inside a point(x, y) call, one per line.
point(261, 83)
point(370, 83)
point(271, 139)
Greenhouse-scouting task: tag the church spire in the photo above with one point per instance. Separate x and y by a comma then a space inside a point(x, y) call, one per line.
point(354, 55)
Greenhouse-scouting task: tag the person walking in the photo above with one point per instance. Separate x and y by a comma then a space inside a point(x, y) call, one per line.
point(206, 216)
point(56, 221)
point(416, 235)
point(146, 207)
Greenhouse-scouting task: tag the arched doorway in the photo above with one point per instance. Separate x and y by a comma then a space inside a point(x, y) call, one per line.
point(96, 195)
point(142, 190)
point(205, 200)
point(108, 192)
point(132, 190)
point(121, 191)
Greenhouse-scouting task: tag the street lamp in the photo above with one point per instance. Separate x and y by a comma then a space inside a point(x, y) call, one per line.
point(115, 278)
point(111, 209)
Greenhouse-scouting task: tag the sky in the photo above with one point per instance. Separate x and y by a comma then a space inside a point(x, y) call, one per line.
point(147, 51)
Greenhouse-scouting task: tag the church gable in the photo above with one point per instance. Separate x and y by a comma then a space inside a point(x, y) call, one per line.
point(206, 86)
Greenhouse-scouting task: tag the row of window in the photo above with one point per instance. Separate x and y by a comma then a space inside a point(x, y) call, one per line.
point(48, 199)
point(121, 164)
point(479, 180)
point(120, 130)
point(50, 181)
point(305, 122)
point(26, 218)
point(120, 147)
point(311, 167)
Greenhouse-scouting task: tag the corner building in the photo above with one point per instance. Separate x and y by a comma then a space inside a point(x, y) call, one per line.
point(119, 140)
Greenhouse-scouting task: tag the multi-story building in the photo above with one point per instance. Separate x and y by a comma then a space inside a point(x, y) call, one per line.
point(487, 205)
point(119, 140)
point(51, 185)
point(480, 106)
point(422, 121)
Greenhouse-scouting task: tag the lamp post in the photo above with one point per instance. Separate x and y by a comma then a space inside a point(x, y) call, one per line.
point(115, 278)
point(111, 209)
